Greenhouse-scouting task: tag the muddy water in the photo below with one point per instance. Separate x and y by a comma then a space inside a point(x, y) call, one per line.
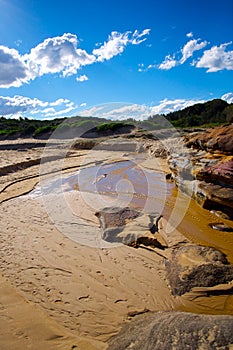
point(150, 192)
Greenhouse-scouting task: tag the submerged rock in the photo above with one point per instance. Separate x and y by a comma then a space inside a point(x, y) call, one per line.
point(175, 330)
point(221, 227)
point(197, 266)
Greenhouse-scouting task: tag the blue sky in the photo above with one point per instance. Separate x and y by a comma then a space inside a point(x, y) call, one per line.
point(63, 58)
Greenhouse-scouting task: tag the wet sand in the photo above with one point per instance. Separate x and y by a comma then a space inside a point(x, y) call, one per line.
point(81, 293)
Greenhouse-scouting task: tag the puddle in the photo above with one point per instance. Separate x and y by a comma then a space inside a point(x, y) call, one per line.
point(127, 180)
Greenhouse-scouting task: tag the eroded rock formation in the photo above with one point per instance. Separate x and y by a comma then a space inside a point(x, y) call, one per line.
point(175, 330)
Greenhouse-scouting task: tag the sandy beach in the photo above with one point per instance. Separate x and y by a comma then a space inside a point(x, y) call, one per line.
point(59, 288)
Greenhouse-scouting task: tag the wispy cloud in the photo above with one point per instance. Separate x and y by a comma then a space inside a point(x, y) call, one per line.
point(60, 55)
point(119, 111)
point(168, 63)
point(216, 59)
point(228, 97)
point(187, 51)
point(166, 106)
point(190, 47)
point(117, 42)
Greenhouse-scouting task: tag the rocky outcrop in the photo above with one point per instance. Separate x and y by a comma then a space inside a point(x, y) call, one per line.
point(130, 227)
point(217, 139)
point(204, 169)
point(197, 266)
point(175, 330)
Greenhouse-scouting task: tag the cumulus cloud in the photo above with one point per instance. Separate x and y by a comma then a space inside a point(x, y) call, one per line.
point(58, 54)
point(13, 68)
point(190, 47)
point(216, 59)
point(189, 35)
point(31, 107)
point(82, 78)
point(117, 42)
point(62, 55)
point(228, 97)
point(168, 63)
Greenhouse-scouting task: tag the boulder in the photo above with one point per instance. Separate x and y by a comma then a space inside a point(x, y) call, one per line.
point(130, 227)
point(175, 330)
point(211, 196)
point(197, 266)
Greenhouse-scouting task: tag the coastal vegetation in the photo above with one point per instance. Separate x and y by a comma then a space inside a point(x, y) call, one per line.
point(208, 114)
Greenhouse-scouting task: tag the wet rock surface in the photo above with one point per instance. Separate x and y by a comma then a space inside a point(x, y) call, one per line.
point(130, 227)
point(197, 266)
point(175, 330)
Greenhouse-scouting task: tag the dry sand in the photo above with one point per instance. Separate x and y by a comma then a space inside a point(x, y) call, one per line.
point(56, 293)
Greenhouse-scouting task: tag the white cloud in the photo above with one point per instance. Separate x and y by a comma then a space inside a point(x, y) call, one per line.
point(59, 102)
point(187, 51)
point(228, 97)
point(142, 68)
point(166, 106)
point(168, 63)
point(117, 42)
point(190, 47)
point(13, 69)
point(57, 55)
point(19, 104)
point(189, 35)
point(119, 111)
point(82, 78)
point(84, 104)
point(61, 112)
point(216, 59)
point(24, 106)
point(60, 55)
point(137, 36)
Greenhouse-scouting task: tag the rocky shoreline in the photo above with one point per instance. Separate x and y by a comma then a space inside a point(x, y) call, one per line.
point(205, 172)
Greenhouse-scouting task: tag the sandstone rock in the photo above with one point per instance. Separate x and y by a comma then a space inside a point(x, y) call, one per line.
point(130, 227)
point(175, 330)
point(213, 194)
point(220, 173)
point(197, 266)
point(206, 177)
point(215, 139)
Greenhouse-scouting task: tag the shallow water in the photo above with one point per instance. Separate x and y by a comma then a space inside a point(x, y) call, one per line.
point(130, 184)
point(127, 180)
